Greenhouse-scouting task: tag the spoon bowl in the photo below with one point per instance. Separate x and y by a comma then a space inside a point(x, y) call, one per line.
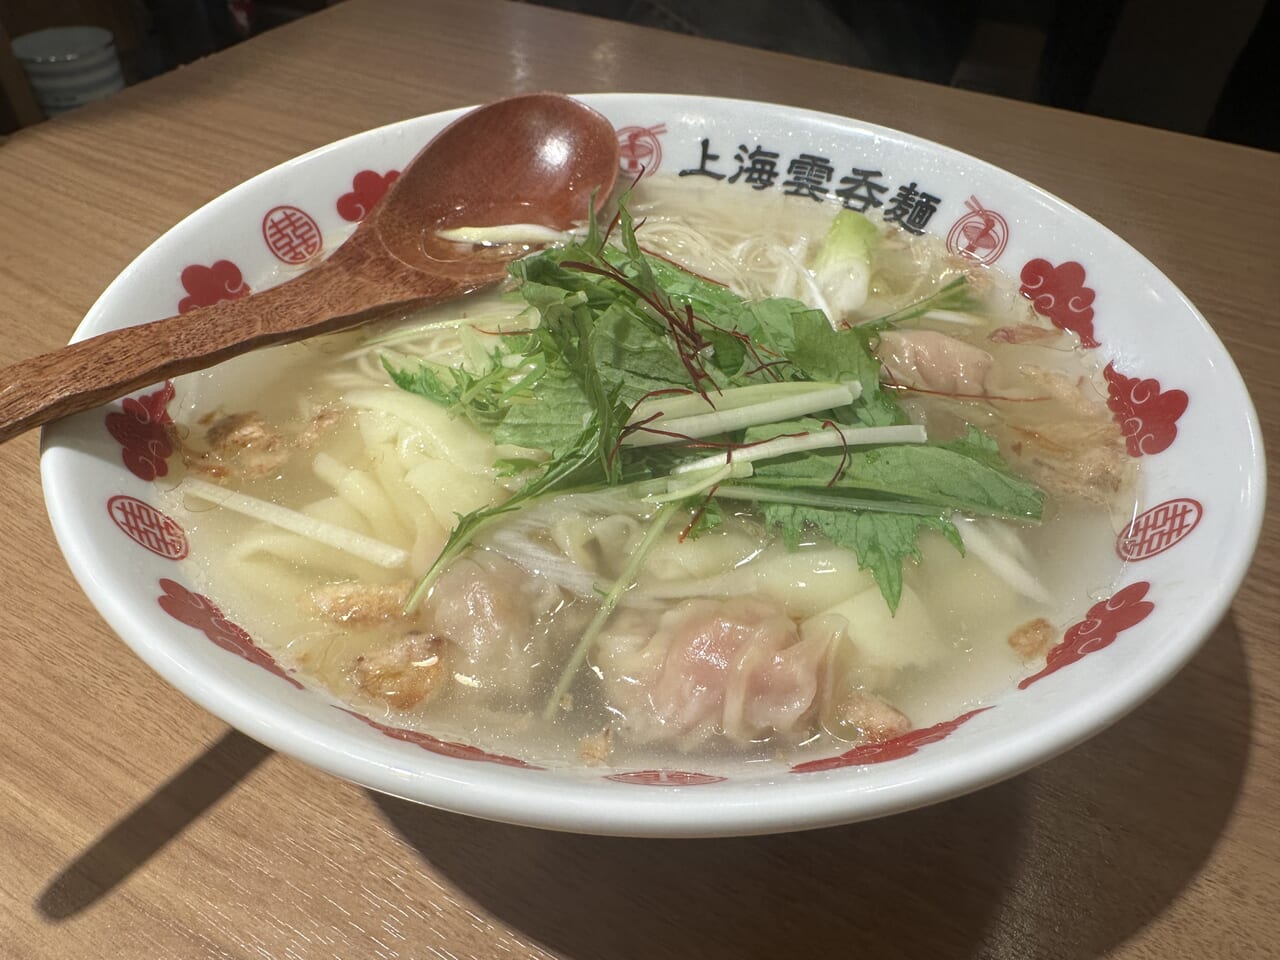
point(555, 153)
point(539, 158)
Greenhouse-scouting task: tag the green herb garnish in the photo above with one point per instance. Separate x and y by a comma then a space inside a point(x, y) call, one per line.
point(633, 359)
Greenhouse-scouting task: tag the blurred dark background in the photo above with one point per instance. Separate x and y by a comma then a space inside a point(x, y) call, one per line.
point(1203, 69)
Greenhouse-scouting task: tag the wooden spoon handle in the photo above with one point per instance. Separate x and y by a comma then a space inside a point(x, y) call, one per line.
point(95, 371)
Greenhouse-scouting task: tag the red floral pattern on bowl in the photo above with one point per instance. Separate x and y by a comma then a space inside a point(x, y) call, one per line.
point(205, 286)
point(367, 188)
point(1105, 620)
point(141, 427)
point(1148, 416)
point(895, 749)
point(197, 610)
point(446, 748)
point(1059, 293)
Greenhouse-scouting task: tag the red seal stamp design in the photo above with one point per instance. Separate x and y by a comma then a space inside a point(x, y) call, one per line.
point(141, 428)
point(1156, 530)
point(665, 778)
point(895, 749)
point(1060, 294)
point(980, 234)
point(1099, 628)
point(291, 234)
point(367, 188)
point(1148, 416)
point(206, 286)
point(640, 150)
point(148, 527)
point(446, 748)
point(198, 611)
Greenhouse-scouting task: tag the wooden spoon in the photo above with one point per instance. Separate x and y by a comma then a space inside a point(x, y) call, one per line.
point(529, 159)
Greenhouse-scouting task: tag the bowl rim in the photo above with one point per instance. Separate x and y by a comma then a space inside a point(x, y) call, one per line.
point(584, 806)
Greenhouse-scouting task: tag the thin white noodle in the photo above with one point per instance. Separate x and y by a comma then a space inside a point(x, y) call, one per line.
point(359, 489)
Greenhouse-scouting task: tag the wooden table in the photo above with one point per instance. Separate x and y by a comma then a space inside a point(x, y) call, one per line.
point(133, 824)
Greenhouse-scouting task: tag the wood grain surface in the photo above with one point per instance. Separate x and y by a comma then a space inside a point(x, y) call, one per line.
point(134, 824)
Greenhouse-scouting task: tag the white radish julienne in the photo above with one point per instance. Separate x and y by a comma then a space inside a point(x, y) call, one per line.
point(719, 420)
point(375, 551)
point(982, 545)
point(688, 403)
point(819, 440)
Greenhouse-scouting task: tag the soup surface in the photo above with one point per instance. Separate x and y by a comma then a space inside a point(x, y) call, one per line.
point(745, 479)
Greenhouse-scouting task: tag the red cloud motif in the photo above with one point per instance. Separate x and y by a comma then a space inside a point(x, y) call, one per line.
point(895, 749)
point(206, 286)
point(446, 748)
point(196, 610)
point(142, 429)
point(1060, 294)
point(1147, 416)
point(1104, 621)
point(367, 188)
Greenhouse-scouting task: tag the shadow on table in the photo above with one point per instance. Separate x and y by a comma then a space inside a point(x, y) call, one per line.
point(1063, 862)
point(137, 837)
point(1066, 861)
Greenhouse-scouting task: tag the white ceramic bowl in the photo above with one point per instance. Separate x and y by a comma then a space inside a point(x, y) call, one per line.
point(1174, 390)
